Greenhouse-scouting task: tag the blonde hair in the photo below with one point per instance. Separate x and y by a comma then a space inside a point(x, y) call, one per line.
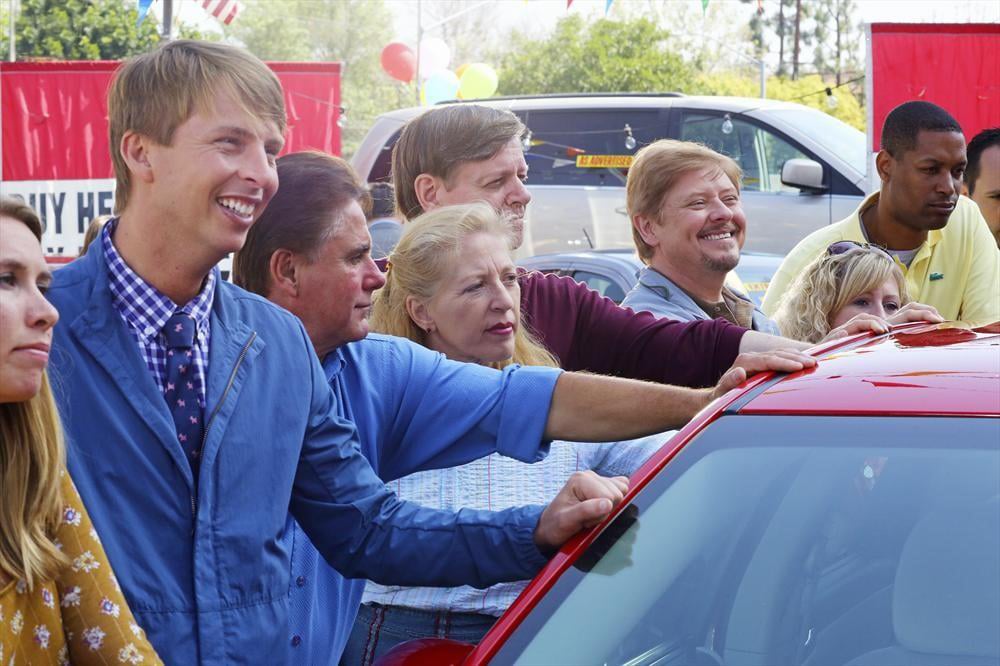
point(828, 284)
point(93, 231)
point(155, 92)
point(426, 248)
point(656, 168)
point(32, 456)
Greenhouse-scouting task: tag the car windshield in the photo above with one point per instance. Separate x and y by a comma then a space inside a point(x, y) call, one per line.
point(792, 540)
point(836, 136)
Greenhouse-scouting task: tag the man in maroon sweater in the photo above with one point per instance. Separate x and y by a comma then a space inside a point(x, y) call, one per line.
point(466, 152)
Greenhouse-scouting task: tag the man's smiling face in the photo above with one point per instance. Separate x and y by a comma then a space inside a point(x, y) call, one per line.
point(216, 176)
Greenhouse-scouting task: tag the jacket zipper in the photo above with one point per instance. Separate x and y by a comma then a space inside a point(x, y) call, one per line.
point(218, 405)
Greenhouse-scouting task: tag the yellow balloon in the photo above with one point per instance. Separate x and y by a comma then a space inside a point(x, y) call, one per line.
point(477, 81)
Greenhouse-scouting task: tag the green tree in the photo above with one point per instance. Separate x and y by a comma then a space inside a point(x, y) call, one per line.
point(83, 30)
point(603, 56)
point(838, 39)
point(352, 32)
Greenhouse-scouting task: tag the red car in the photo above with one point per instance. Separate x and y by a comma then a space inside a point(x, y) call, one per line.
point(845, 515)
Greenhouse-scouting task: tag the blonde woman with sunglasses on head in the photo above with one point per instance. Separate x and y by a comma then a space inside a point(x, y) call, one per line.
point(847, 280)
point(59, 600)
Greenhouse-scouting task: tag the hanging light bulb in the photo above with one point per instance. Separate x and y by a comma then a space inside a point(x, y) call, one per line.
point(629, 139)
point(526, 141)
point(831, 99)
point(342, 118)
point(727, 124)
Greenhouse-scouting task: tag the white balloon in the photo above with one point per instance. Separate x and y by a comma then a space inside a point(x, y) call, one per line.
point(434, 56)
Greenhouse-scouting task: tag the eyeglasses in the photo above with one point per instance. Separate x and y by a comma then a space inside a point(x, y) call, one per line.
point(844, 246)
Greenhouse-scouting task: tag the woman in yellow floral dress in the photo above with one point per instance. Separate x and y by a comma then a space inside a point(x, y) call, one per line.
point(59, 600)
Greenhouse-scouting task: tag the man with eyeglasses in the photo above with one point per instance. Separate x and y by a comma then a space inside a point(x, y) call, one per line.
point(937, 237)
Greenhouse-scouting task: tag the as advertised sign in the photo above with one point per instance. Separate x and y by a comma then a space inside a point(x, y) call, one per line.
point(603, 161)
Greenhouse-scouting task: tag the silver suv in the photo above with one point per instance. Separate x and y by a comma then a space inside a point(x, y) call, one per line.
point(802, 169)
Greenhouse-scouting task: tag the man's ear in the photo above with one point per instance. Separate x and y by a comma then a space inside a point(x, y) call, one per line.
point(419, 314)
point(646, 226)
point(283, 271)
point(134, 150)
point(428, 189)
point(884, 164)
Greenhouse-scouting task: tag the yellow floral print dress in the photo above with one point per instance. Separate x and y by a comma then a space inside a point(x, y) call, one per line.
point(79, 618)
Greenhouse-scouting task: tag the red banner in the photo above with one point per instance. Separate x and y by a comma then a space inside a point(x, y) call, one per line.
point(956, 66)
point(55, 116)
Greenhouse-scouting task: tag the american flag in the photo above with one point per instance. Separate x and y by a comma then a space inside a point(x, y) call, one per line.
point(224, 10)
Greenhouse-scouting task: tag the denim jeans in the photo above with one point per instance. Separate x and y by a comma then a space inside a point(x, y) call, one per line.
point(380, 628)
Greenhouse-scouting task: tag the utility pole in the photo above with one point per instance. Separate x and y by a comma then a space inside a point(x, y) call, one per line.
point(795, 52)
point(420, 35)
point(781, 37)
point(446, 19)
point(12, 36)
point(168, 20)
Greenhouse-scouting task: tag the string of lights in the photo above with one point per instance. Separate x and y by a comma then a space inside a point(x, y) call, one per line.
point(828, 90)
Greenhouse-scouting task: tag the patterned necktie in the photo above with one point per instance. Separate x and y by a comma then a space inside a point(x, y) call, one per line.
point(181, 390)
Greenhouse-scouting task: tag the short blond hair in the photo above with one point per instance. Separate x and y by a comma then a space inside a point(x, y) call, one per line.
point(829, 283)
point(418, 263)
point(656, 169)
point(155, 92)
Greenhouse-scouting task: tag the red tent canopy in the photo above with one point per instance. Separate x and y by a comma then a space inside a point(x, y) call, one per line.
point(956, 66)
point(55, 116)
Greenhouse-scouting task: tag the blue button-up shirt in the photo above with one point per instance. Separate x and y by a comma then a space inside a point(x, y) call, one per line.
point(410, 405)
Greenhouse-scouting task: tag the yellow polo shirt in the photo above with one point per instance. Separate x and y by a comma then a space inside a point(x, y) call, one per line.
point(957, 269)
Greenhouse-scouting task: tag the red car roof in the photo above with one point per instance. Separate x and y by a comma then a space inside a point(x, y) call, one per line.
point(917, 370)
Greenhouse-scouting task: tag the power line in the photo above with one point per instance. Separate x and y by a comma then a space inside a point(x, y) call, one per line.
point(828, 90)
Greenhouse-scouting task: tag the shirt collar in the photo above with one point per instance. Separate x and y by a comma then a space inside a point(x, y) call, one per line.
point(144, 306)
point(933, 236)
point(333, 363)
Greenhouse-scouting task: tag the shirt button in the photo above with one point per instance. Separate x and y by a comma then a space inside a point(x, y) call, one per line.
point(300, 581)
point(296, 641)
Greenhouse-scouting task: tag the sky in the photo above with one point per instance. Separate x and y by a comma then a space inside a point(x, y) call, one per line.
point(528, 14)
point(724, 18)
point(537, 15)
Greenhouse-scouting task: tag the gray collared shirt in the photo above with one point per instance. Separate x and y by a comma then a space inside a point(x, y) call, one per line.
point(657, 294)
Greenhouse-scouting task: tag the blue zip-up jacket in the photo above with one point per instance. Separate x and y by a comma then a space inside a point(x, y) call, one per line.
point(207, 573)
point(403, 398)
point(655, 292)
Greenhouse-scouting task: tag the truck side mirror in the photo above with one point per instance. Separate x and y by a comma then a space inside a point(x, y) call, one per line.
point(804, 174)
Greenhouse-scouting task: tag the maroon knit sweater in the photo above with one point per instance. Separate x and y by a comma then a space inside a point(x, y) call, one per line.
point(587, 331)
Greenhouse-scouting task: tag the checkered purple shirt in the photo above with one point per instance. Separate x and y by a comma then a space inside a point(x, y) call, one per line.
point(146, 310)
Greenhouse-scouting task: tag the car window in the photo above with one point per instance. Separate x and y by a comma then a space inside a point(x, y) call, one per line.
point(791, 540)
point(588, 147)
point(759, 152)
point(602, 284)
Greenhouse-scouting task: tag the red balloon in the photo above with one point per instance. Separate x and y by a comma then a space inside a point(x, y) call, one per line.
point(399, 61)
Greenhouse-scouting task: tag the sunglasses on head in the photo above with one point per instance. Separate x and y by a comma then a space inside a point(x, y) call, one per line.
point(844, 246)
